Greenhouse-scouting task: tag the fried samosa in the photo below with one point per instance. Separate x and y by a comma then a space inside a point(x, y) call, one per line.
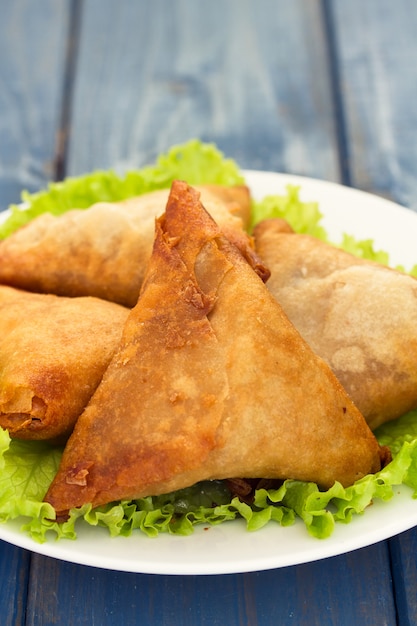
point(358, 315)
point(210, 381)
point(53, 352)
point(103, 251)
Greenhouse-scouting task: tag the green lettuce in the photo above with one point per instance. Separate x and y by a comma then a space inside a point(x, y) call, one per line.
point(303, 217)
point(27, 468)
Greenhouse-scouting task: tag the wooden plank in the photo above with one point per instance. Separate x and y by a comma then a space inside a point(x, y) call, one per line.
point(14, 574)
point(32, 53)
point(377, 53)
point(331, 592)
point(404, 565)
point(250, 76)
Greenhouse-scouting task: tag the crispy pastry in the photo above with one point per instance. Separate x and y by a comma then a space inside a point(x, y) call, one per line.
point(360, 316)
point(103, 251)
point(53, 352)
point(210, 381)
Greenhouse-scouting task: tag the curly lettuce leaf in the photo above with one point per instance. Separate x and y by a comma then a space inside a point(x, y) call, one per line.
point(29, 468)
point(303, 217)
point(364, 249)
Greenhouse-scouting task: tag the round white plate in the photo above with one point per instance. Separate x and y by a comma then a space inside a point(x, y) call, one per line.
point(229, 548)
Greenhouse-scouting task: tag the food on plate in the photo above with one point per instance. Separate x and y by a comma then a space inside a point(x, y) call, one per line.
point(210, 381)
point(53, 352)
point(210, 501)
point(358, 315)
point(102, 251)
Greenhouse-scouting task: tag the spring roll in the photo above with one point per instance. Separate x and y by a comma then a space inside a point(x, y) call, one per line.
point(103, 251)
point(210, 381)
point(53, 352)
point(358, 315)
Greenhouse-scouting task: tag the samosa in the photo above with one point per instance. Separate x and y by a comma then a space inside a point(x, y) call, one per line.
point(210, 381)
point(103, 251)
point(53, 353)
point(358, 315)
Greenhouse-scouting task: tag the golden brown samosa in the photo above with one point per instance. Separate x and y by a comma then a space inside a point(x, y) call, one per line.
point(358, 315)
point(210, 381)
point(103, 251)
point(53, 352)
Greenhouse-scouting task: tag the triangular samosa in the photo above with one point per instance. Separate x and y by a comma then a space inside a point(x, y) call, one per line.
point(210, 381)
point(53, 353)
point(358, 315)
point(103, 251)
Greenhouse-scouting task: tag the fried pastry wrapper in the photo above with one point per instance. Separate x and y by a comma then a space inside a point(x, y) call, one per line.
point(103, 251)
point(358, 315)
point(237, 198)
point(53, 353)
point(211, 381)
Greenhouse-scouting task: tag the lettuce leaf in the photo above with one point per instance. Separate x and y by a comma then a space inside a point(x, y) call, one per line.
point(27, 468)
point(303, 217)
point(28, 473)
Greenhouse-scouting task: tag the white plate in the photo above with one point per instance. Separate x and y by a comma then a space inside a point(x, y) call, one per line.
point(229, 548)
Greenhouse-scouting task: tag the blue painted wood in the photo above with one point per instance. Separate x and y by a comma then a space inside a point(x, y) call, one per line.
point(332, 592)
point(404, 565)
point(377, 54)
point(248, 75)
point(32, 53)
point(14, 575)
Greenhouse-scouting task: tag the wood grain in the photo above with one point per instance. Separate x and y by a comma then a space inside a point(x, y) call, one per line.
point(404, 567)
point(32, 53)
point(250, 76)
point(377, 56)
point(340, 591)
point(14, 577)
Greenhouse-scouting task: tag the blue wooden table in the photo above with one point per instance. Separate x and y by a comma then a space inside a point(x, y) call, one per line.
point(326, 89)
